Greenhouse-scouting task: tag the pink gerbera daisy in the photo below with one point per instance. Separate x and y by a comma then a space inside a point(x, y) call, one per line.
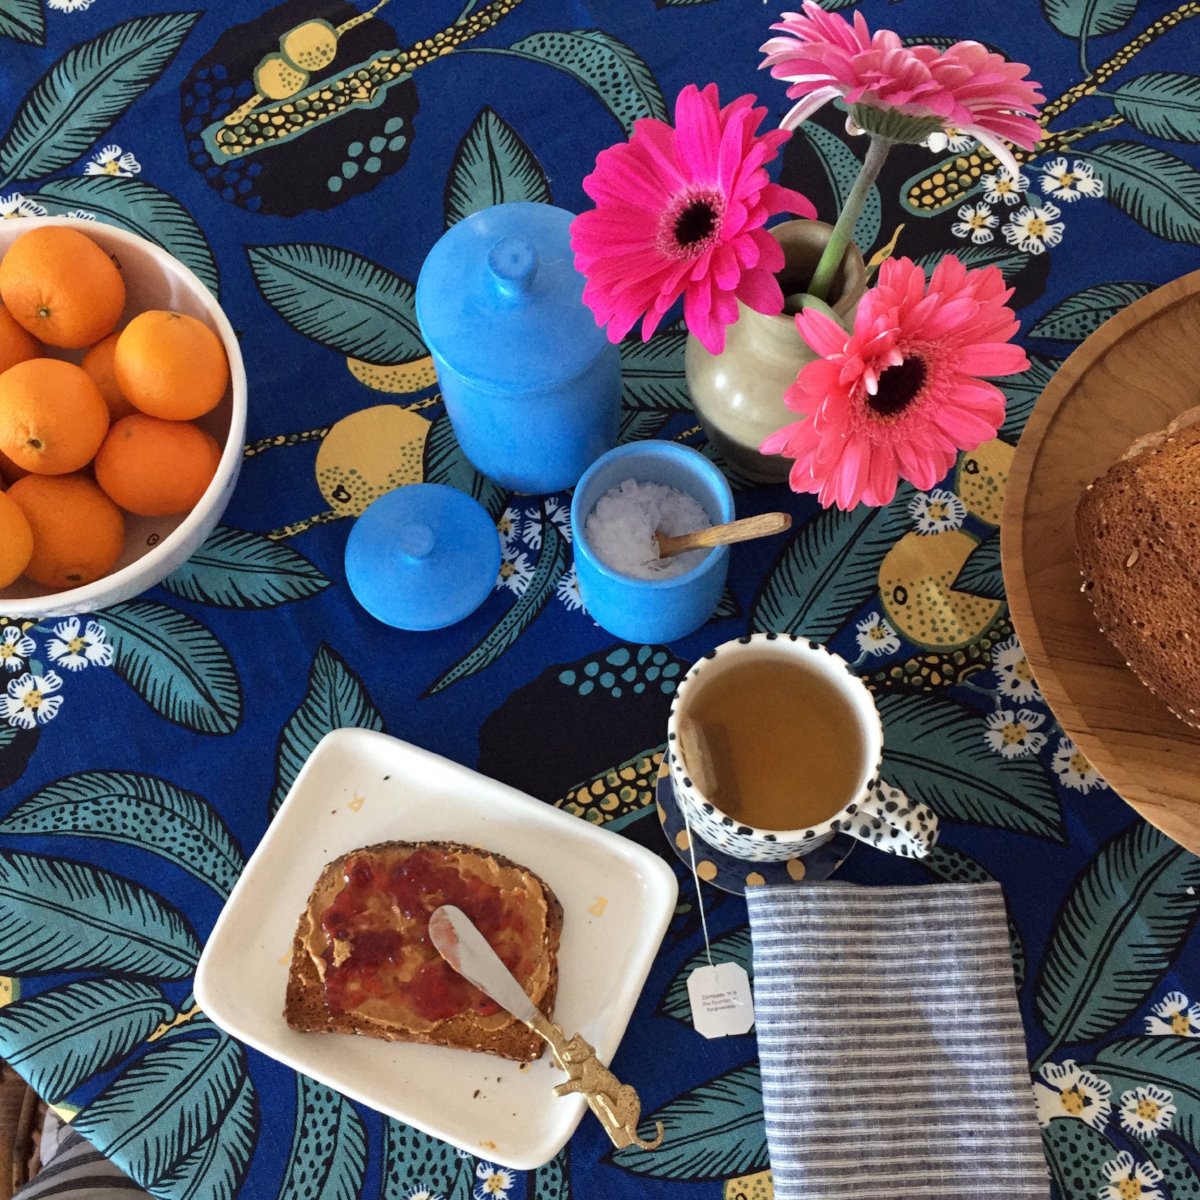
point(900, 92)
point(900, 395)
point(680, 212)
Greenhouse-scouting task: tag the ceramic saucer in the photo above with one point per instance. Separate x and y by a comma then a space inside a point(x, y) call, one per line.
point(734, 874)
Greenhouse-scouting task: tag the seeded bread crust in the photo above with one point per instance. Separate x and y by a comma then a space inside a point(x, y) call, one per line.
point(305, 1010)
point(1137, 531)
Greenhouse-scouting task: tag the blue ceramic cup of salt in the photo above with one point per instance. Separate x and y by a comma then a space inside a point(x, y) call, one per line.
point(651, 610)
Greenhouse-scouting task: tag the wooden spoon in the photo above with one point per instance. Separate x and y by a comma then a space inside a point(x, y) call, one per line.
point(744, 530)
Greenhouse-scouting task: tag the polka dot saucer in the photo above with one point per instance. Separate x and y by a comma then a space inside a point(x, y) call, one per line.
point(734, 874)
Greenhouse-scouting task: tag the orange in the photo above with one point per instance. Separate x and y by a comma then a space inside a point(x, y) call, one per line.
point(52, 416)
point(16, 540)
point(171, 365)
point(16, 344)
point(156, 468)
point(61, 287)
point(9, 471)
point(78, 532)
point(98, 363)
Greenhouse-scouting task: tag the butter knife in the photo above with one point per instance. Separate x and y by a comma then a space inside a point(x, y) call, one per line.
point(468, 952)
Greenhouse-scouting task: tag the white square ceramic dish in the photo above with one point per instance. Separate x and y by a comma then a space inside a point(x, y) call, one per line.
point(360, 787)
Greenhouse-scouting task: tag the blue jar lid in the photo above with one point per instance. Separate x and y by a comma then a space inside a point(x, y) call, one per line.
point(500, 303)
point(422, 557)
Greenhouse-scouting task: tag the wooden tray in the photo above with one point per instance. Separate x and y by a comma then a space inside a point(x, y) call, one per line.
point(1132, 376)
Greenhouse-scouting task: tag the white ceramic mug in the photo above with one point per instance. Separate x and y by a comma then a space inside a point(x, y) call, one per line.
point(876, 813)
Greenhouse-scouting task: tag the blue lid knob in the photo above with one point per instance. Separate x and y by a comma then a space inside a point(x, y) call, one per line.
point(514, 263)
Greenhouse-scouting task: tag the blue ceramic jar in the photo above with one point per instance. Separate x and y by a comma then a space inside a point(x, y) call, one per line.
point(531, 383)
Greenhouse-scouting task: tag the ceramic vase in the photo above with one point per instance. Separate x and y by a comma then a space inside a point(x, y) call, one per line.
point(738, 394)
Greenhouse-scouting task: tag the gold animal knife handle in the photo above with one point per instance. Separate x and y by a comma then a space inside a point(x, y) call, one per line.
point(615, 1104)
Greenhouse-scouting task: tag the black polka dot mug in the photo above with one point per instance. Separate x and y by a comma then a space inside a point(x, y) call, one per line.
point(873, 811)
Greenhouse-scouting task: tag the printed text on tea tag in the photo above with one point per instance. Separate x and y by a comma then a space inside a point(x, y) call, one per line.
point(721, 1001)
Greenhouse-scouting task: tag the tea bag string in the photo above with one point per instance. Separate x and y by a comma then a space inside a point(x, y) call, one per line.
point(696, 880)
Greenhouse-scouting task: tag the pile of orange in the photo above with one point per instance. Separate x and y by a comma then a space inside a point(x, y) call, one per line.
point(79, 443)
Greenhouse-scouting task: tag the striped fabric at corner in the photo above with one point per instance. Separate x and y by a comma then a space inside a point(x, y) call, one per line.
point(893, 1057)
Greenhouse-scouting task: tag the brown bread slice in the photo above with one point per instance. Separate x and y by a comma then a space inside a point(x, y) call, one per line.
point(305, 1008)
point(1137, 530)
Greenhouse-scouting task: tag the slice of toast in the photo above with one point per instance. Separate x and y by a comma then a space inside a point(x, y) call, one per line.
point(306, 1009)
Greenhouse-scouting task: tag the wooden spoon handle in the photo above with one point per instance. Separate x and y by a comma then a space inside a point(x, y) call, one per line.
point(744, 530)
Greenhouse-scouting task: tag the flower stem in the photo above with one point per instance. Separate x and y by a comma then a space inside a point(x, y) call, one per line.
point(843, 231)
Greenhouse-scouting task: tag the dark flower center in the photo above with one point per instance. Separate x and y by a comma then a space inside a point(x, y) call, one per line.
point(695, 223)
point(898, 387)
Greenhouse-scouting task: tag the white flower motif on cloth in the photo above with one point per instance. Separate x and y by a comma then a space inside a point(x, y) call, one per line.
point(112, 160)
point(1011, 734)
point(951, 139)
point(1065, 1090)
point(80, 215)
point(422, 1194)
point(494, 1182)
point(1146, 1111)
point(75, 650)
point(1002, 188)
point(1128, 1180)
point(508, 527)
point(556, 512)
point(515, 572)
point(15, 648)
point(1069, 183)
point(1013, 672)
point(1034, 227)
point(876, 637)
point(15, 205)
point(1174, 1015)
point(567, 590)
point(937, 511)
point(975, 221)
point(1073, 769)
point(30, 700)
point(70, 6)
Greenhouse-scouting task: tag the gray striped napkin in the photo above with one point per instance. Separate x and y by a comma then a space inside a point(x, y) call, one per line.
point(893, 1057)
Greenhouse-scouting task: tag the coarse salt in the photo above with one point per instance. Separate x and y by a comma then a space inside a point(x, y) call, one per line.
point(621, 529)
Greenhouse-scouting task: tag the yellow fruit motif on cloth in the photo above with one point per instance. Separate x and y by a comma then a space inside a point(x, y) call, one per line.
point(396, 378)
point(310, 46)
point(916, 588)
point(10, 989)
point(276, 79)
point(368, 454)
point(758, 1186)
point(981, 479)
point(616, 791)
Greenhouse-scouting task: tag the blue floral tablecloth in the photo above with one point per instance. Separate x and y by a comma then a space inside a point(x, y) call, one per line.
point(169, 728)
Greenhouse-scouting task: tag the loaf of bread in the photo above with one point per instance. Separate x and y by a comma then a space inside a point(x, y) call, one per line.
point(362, 961)
point(1137, 529)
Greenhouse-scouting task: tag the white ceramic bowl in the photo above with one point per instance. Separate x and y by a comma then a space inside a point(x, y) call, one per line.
point(154, 546)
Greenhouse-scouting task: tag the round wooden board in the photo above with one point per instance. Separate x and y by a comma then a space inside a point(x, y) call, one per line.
point(1132, 376)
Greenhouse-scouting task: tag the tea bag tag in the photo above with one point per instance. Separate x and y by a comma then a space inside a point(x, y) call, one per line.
point(721, 1002)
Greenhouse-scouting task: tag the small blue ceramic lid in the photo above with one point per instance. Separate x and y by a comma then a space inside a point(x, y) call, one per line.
point(500, 303)
point(422, 557)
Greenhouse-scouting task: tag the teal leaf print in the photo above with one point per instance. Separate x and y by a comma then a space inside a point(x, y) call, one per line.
point(841, 166)
point(170, 1101)
point(1165, 1061)
point(1123, 924)
point(1159, 191)
point(727, 606)
point(57, 915)
point(340, 299)
point(1164, 104)
point(175, 665)
point(711, 1132)
point(1088, 18)
point(413, 1160)
point(215, 1169)
point(83, 93)
point(492, 165)
point(61, 1037)
point(335, 699)
point(1023, 391)
point(329, 1147)
point(1010, 261)
point(552, 561)
point(23, 21)
point(606, 67)
point(446, 463)
point(1178, 1174)
point(135, 810)
point(1077, 1154)
point(935, 751)
point(981, 574)
point(637, 425)
point(829, 569)
point(652, 375)
point(237, 569)
point(729, 947)
point(1073, 319)
point(553, 1181)
point(140, 208)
